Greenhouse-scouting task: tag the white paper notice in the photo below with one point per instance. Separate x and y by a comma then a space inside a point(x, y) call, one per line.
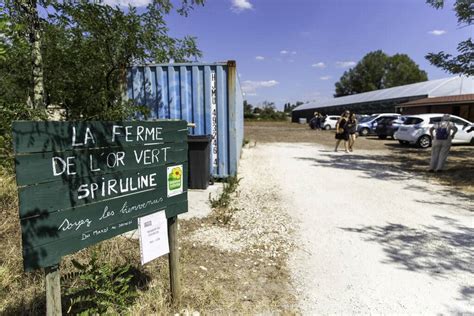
point(153, 231)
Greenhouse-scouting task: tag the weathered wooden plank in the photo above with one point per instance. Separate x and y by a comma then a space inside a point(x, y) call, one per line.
point(58, 136)
point(37, 231)
point(50, 254)
point(53, 291)
point(173, 259)
point(68, 165)
point(58, 196)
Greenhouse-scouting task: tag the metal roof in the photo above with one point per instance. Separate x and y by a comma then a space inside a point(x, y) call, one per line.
point(463, 98)
point(433, 88)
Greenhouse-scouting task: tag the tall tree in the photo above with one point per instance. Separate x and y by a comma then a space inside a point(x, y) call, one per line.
point(28, 13)
point(400, 70)
point(463, 63)
point(376, 71)
point(247, 107)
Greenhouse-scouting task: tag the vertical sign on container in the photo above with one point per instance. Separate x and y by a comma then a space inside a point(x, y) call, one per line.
point(214, 121)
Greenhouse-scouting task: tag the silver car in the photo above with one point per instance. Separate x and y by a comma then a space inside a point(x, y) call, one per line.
point(367, 125)
point(416, 130)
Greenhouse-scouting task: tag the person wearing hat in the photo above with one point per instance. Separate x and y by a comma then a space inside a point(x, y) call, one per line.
point(442, 133)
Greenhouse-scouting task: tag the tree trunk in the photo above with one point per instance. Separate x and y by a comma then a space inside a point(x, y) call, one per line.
point(34, 26)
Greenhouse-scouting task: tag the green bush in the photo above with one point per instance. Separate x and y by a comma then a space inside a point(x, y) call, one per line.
point(8, 114)
point(102, 288)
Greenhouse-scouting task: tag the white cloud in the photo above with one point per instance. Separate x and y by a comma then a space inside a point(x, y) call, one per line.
point(284, 52)
point(437, 32)
point(125, 3)
point(305, 34)
point(345, 64)
point(293, 53)
point(250, 87)
point(319, 65)
point(259, 58)
point(241, 5)
point(325, 77)
point(250, 94)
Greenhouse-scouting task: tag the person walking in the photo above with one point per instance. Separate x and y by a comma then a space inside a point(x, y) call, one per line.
point(352, 129)
point(442, 133)
point(342, 133)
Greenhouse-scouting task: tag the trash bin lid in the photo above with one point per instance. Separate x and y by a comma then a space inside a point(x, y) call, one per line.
point(199, 138)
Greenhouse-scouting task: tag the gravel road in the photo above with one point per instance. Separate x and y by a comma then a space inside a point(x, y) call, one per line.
point(373, 239)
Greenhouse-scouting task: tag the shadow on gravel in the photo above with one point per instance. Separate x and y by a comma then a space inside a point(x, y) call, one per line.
point(432, 250)
point(467, 293)
point(389, 167)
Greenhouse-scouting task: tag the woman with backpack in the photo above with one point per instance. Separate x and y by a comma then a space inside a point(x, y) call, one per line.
point(442, 133)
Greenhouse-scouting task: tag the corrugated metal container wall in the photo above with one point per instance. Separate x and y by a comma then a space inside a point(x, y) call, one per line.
point(208, 95)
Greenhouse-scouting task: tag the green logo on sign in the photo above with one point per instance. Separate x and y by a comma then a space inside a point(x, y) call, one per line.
point(175, 180)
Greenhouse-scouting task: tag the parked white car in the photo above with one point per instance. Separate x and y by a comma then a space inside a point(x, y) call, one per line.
point(330, 122)
point(416, 130)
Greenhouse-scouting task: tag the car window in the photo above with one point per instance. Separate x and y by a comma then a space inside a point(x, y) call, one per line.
point(457, 121)
point(334, 118)
point(387, 120)
point(435, 119)
point(412, 121)
point(368, 118)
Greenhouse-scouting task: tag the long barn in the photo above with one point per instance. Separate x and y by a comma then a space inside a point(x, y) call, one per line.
point(387, 100)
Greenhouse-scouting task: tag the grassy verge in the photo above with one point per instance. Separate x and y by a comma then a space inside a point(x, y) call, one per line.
point(221, 205)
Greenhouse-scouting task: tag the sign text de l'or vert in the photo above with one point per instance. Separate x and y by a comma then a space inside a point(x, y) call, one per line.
point(147, 136)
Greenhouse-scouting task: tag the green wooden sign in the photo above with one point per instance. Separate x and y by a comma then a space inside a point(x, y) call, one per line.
point(84, 182)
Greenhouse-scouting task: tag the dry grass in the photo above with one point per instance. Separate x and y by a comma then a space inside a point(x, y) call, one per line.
point(459, 174)
point(213, 281)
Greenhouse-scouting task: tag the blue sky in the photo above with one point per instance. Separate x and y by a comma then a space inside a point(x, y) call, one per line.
point(288, 50)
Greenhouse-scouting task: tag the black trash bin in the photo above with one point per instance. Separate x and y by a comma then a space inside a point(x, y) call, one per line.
point(199, 161)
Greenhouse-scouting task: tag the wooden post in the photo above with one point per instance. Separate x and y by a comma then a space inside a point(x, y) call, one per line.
point(53, 291)
point(173, 258)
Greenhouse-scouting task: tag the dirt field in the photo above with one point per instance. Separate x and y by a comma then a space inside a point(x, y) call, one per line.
point(459, 172)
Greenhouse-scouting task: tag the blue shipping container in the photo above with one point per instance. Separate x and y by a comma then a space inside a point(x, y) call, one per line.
point(208, 95)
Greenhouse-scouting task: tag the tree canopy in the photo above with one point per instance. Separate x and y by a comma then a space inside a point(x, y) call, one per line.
point(463, 63)
point(376, 71)
point(85, 50)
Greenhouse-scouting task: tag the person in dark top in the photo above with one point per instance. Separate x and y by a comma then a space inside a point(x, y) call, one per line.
point(352, 129)
point(342, 132)
point(318, 121)
point(313, 123)
point(323, 120)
